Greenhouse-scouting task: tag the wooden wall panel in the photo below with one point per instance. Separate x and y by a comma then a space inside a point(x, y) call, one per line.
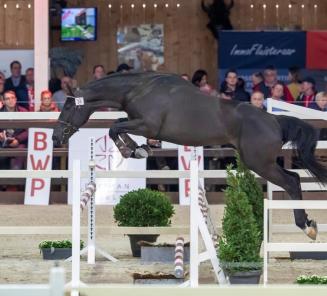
point(188, 43)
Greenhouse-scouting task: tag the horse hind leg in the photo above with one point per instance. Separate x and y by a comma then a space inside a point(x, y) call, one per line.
point(290, 182)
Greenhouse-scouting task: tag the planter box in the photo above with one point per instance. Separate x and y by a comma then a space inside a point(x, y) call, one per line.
point(135, 238)
point(164, 254)
point(308, 255)
point(56, 253)
point(156, 279)
point(246, 277)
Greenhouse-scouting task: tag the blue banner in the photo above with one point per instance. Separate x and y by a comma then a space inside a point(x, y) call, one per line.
point(255, 50)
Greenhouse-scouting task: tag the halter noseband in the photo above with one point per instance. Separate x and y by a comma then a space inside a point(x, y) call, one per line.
point(68, 129)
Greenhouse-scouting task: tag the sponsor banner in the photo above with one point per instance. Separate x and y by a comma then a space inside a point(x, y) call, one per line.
point(107, 157)
point(316, 50)
point(258, 49)
point(40, 146)
point(184, 161)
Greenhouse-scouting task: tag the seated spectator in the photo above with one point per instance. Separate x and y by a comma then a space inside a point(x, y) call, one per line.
point(98, 72)
point(17, 83)
point(257, 99)
point(60, 96)
point(308, 92)
point(123, 68)
point(13, 138)
point(256, 78)
point(200, 80)
point(277, 93)
point(29, 74)
point(2, 76)
point(295, 83)
point(185, 76)
point(320, 102)
point(231, 88)
point(270, 79)
point(47, 103)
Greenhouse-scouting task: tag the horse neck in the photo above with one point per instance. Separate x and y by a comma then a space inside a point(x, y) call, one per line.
point(110, 92)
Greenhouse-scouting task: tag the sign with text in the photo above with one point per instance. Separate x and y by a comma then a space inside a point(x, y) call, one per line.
point(184, 161)
point(107, 157)
point(37, 190)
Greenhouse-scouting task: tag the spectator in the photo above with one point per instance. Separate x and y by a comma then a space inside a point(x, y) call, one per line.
point(277, 93)
point(2, 76)
point(307, 94)
point(98, 72)
point(13, 138)
point(123, 68)
point(231, 88)
point(2, 88)
point(47, 103)
point(200, 79)
point(17, 83)
point(256, 78)
point(320, 102)
point(29, 74)
point(185, 76)
point(59, 96)
point(257, 99)
point(295, 84)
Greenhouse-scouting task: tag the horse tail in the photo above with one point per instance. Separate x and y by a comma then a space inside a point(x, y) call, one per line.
point(304, 138)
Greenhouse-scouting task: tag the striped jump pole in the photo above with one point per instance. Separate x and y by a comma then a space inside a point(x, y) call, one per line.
point(179, 258)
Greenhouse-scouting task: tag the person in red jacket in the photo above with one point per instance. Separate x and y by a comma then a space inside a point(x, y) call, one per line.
point(13, 138)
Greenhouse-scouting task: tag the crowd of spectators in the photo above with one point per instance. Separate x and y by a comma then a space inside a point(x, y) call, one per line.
point(17, 95)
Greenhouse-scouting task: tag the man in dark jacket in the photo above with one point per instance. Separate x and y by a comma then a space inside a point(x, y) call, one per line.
point(17, 83)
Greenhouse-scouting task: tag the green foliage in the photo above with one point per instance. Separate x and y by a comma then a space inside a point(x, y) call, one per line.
point(253, 190)
point(144, 207)
point(312, 279)
point(239, 246)
point(46, 244)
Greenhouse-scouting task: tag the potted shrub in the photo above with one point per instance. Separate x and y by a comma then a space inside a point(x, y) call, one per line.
point(239, 245)
point(143, 208)
point(57, 249)
point(253, 190)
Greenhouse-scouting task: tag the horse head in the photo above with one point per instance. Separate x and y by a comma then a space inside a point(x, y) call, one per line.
point(74, 114)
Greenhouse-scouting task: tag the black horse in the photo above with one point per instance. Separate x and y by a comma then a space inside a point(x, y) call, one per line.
point(166, 107)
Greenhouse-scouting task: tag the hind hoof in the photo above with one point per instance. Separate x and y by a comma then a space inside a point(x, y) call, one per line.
point(311, 230)
point(140, 152)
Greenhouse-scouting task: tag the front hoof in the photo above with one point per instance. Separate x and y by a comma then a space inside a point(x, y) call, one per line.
point(311, 230)
point(126, 152)
point(140, 153)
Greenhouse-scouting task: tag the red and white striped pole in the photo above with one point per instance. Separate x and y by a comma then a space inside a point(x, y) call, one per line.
point(179, 258)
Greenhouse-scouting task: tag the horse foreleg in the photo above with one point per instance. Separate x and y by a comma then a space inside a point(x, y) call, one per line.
point(126, 145)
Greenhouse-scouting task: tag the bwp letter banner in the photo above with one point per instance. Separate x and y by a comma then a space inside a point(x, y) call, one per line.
point(107, 157)
point(184, 162)
point(39, 157)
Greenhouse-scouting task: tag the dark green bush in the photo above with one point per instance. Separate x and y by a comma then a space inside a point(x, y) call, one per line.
point(239, 245)
point(57, 244)
point(312, 279)
point(253, 190)
point(144, 207)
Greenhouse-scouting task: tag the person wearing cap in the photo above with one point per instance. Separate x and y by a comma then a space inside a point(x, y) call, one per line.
point(123, 68)
point(308, 93)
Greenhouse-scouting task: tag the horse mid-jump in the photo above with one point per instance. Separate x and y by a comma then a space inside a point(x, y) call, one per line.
point(166, 107)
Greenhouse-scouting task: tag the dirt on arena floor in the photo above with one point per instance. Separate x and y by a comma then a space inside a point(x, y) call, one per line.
point(21, 261)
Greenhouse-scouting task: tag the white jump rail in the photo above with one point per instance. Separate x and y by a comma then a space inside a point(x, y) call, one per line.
point(54, 288)
point(21, 116)
point(269, 246)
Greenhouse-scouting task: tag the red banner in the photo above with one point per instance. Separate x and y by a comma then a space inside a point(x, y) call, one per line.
point(316, 50)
